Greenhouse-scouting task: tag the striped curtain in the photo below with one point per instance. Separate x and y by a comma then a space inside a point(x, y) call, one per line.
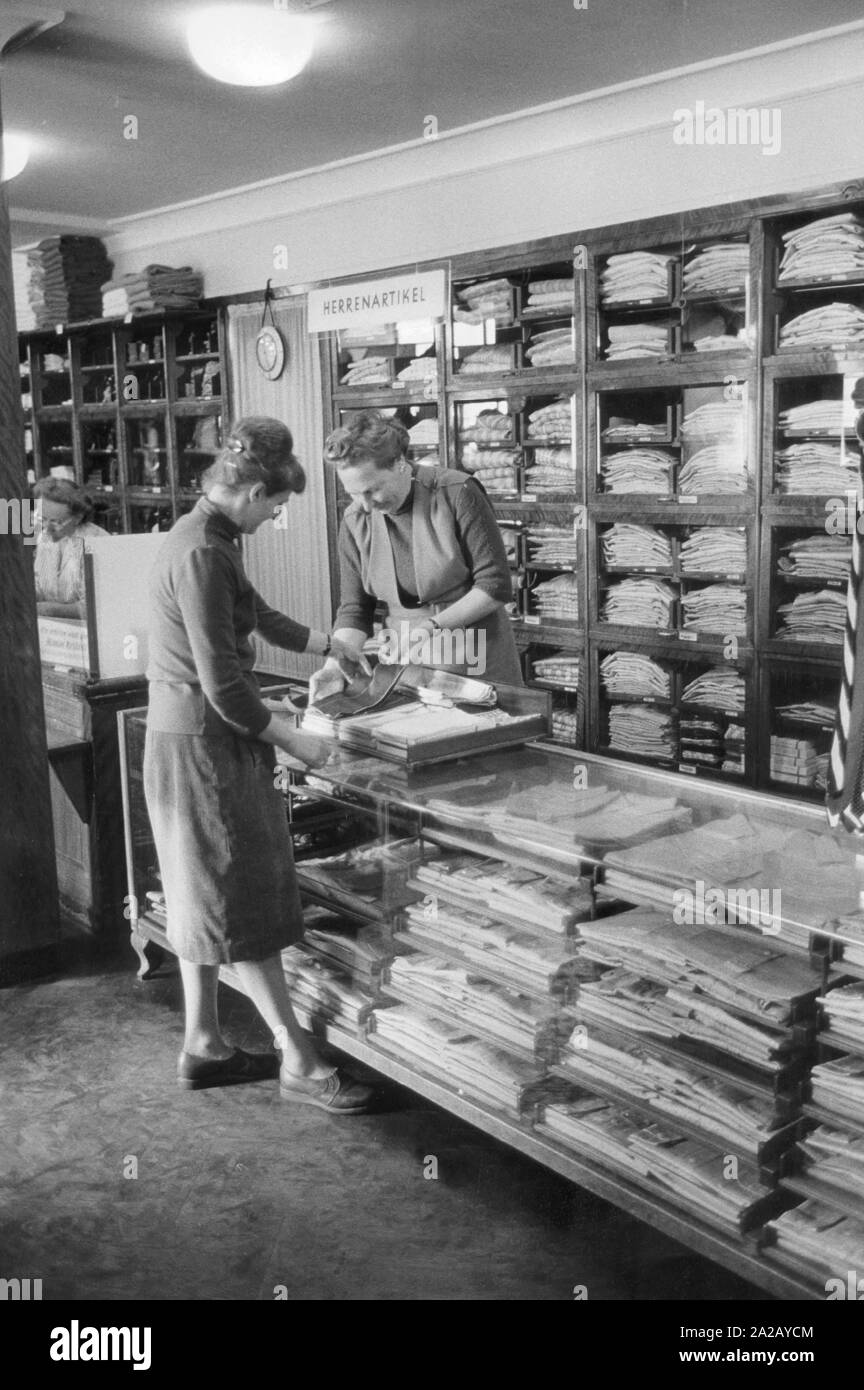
point(289, 567)
point(845, 797)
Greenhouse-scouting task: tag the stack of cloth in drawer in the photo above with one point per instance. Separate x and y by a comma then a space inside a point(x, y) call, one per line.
point(637, 340)
point(834, 1159)
point(557, 598)
point(819, 616)
point(817, 557)
point(552, 422)
point(628, 546)
point(551, 348)
point(154, 287)
point(843, 1017)
point(838, 1088)
point(635, 275)
point(720, 608)
point(818, 1238)
point(550, 295)
point(628, 673)
point(567, 821)
point(66, 278)
point(553, 470)
point(644, 731)
point(527, 896)
point(720, 266)
point(487, 299)
point(828, 246)
point(322, 993)
point(640, 603)
point(714, 550)
point(360, 952)
point(840, 325)
point(718, 688)
point(638, 470)
point(816, 468)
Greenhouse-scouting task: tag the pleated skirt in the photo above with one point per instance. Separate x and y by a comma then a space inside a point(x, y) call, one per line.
point(224, 850)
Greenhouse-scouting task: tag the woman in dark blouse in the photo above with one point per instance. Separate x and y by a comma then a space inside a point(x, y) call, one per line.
point(218, 820)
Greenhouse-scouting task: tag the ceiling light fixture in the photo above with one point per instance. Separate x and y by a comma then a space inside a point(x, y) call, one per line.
point(15, 154)
point(250, 47)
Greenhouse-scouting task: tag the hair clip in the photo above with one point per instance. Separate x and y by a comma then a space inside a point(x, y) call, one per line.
point(235, 445)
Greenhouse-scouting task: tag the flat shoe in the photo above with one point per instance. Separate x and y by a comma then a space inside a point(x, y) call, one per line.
point(338, 1093)
point(199, 1073)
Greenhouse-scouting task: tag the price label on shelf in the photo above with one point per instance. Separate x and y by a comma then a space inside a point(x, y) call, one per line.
point(156, 489)
point(531, 619)
point(109, 487)
point(529, 497)
point(687, 499)
point(58, 329)
point(686, 767)
point(127, 318)
point(688, 636)
point(430, 908)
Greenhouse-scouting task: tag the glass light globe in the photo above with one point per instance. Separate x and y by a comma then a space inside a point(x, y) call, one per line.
point(15, 154)
point(249, 47)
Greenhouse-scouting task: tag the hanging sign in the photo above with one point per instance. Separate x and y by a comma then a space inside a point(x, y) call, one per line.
point(390, 300)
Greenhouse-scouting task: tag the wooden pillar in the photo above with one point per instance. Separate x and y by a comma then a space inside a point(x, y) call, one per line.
point(29, 919)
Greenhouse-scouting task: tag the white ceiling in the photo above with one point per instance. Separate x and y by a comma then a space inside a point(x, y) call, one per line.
point(382, 67)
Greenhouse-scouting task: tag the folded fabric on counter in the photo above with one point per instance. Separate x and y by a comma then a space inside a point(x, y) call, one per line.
point(815, 616)
point(640, 603)
point(834, 1158)
point(720, 266)
point(323, 990)
point(628, 546)
point(627, 673)
point(593, 816)
point(820, 1240)
point(521, 959)
point(843, 1015)
point(515, 1020)
point(837, 324)
point(491, 885)
point(638, 470)
point(829, 247)
point(714, 550)
point(838, 1087)
point(636, 275)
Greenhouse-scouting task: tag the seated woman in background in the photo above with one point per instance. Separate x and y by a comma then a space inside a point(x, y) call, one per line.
point(65, 510)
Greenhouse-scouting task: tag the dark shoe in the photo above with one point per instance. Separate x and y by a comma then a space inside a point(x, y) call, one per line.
point(198, 1073)
point(338, 1093)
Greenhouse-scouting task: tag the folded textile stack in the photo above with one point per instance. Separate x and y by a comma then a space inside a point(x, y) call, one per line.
point(155, 287)
point(550, 295)
point(552, 545)
point(490, 427)
point(548, 349)
point(714, 550)
point(691, 1173)
point(817, 616)
point(817, 468)
point(640, 603)
point(496, 469)
point(559, 670)
point(722, 266)
point(627, 673)
point(817, 557)
point(734, 749)
point(716, 608)
point(359, 952)
point(565, 725)
point(820, 1240)
point(551, 471)
point(824, 249)
point(424, 434)
point(650, 733)
point(637, 340)
point(367, 371)
point(498, 1013)
point(487, 299)
point(718, 419)
point(834, 1159)
point(25, 318)
point(372, 872)
point(486, 361)
point(720, 342)
point(840, 325)
point(628, 546)
point(843, 1017)
point(623, 431)
point(66, 277)
point(557, 598)
point(322, 991)
point(454, 1055)
point(818, 417)
point(635, 275)
point(638, 470)
point(521, 959)
point(414, 725)
point(701, 741)
point(528, 897)
point(718, 688)
point(794, 760)
point(420, 369)
point(552, 422)
point(715, 468)
point(838, 1088)
point(817, 712)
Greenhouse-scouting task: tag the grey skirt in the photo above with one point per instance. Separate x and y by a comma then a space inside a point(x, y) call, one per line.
point(224, 849)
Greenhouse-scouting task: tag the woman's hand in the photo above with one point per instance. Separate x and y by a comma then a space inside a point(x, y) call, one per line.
point(330, 680)
point(308, 748)
point(349, 659)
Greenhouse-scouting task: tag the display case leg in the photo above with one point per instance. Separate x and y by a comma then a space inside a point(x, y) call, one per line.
point(150, 956)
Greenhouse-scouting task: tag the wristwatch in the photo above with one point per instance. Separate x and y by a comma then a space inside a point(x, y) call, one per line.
point(328, 645)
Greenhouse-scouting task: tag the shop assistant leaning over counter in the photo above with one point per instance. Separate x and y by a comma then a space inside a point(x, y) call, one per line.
point(218, 822)
point(426, 544)
point(65, 509)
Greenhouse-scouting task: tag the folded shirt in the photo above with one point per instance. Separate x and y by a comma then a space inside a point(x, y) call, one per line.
point(636, 275)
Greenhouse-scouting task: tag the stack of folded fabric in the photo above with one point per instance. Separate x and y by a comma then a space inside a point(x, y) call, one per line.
point(815, 616)
point(371, 872)
point(817, 468)
point(627, 673)
point(637, 340)
point(818, 417)
point(838, 1088)
point(817, 712)
point(559, 670)
point(420, 369)
point(714, 550)
point(635, 275)
point(718, 268)
point(321, 992)
point(817, 557)
point(620, 430)
point(551, 471)
point(649, 733)
point(627, 546)
point(824, 249)
point(833, 1159)
point(550, 295)
point(558, 598)
point(734, 749)
point(424, 435)
point(832, 325)
point(715, 420)
point(843, 1017)
point(155, 287)
point(552, 545)
point(552, 422)
point(66, 277)
point(487, 299)
point(490, 427)
point(638, 470)
point(24, 316)
point(565, 724)
point(718, 688)
point(720, 342)
point(701, 741)
point(486, 361)
point(496, 469)
point(716, 468)
point(549, 349)
point(481, 941)
point(529, 898)
point(793, 760)
point(716, 608)
point(819, 1239)
point(368, 371)
point(640, 603)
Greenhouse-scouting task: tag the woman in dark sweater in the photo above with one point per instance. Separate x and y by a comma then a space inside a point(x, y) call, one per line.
point(218, 820)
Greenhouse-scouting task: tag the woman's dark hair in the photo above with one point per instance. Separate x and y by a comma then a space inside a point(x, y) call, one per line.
point(67, 494)
point(369, 436)
point(258, 449)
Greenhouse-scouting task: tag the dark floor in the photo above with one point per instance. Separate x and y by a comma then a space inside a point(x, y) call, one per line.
point(237, 1193)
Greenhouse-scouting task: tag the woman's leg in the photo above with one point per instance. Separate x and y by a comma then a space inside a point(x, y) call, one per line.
point(264, 982)
point(203, 1035)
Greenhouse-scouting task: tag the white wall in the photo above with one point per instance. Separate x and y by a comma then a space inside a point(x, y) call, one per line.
point(573, 165)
